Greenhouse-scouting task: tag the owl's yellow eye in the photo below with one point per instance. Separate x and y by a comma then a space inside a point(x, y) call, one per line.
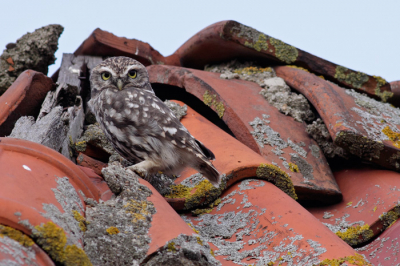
point(132, 74)
point(105, 76)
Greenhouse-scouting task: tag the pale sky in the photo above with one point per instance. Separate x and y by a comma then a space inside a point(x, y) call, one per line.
point(361, 35)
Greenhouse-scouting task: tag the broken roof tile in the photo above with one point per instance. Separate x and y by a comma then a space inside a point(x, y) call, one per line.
point(103, 43)
point(256, 223)
point(227, 40)
point(89, 162)
point(260, 126)
point(370, 204)
point(23, 98)
point(99, 182)
point(361, 125)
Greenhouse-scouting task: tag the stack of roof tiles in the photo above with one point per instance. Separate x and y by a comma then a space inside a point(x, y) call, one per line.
point(309, 152)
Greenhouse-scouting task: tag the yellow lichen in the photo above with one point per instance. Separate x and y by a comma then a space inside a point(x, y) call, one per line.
point(212, 252)
point(199, 241)
point(283, 51)
point(293, 167)
point(211, 100)
point(384, 95)
point(76, 256)
point(278, 177)
point(80, 219)
point(171, 247)
point(375, 208)
point(81, 146)
point(16, 235)
point(349, 203)
point(209, 208)
point(112, 230)
point(356, 235)
point(380, 81)
point(252, 70)
point(138, 209)
point(260, 44)
point(53, 240)
point(393, 136)
point(297, 67)
point(194, 229)
point(389, 218)
point(356, 259)
point(201, 194)
point(352, 78)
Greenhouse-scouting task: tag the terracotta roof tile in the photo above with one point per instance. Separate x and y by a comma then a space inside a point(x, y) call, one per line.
point(240, 105)
point(233, 159)
point(103, 43)
point(257, 222)
point(385, 249)
point(267, 159)
point(368, 195)
point(23, 98)
point(17, 248)
point(229, 39)
point(361, 125)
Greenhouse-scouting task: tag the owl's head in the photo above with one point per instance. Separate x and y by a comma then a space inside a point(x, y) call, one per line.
point(117, 74)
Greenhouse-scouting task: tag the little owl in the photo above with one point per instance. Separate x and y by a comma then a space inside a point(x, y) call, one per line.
point(140, 126)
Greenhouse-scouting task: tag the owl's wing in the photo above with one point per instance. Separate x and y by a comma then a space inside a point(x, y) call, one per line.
point(148, 118)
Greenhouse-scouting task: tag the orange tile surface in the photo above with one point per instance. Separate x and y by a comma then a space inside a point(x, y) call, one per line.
point(24, 97)
point(258, 223)
point(359, 129)
point(243, 105)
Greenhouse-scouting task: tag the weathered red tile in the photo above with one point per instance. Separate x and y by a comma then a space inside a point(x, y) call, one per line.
point(370, 204)
point(103, 43)
point(17, 248)
point(23, 98)
point(43, 195)
point(161, 231)
point(239, 104)
point(357, 123)
point(227, 40)
point(86, 161)
point(257, 224)
point(99, 182)
point(30, 172)
point(233, 159)
point(385, 249)
point(395, 86)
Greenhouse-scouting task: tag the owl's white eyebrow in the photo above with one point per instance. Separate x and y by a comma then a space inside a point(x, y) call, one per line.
point(101, 69)
point(132, 67)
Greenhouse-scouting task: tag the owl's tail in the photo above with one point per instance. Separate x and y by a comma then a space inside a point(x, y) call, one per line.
point(205, 167)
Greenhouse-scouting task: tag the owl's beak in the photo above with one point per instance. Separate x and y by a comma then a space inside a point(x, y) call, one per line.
point(120, 84)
